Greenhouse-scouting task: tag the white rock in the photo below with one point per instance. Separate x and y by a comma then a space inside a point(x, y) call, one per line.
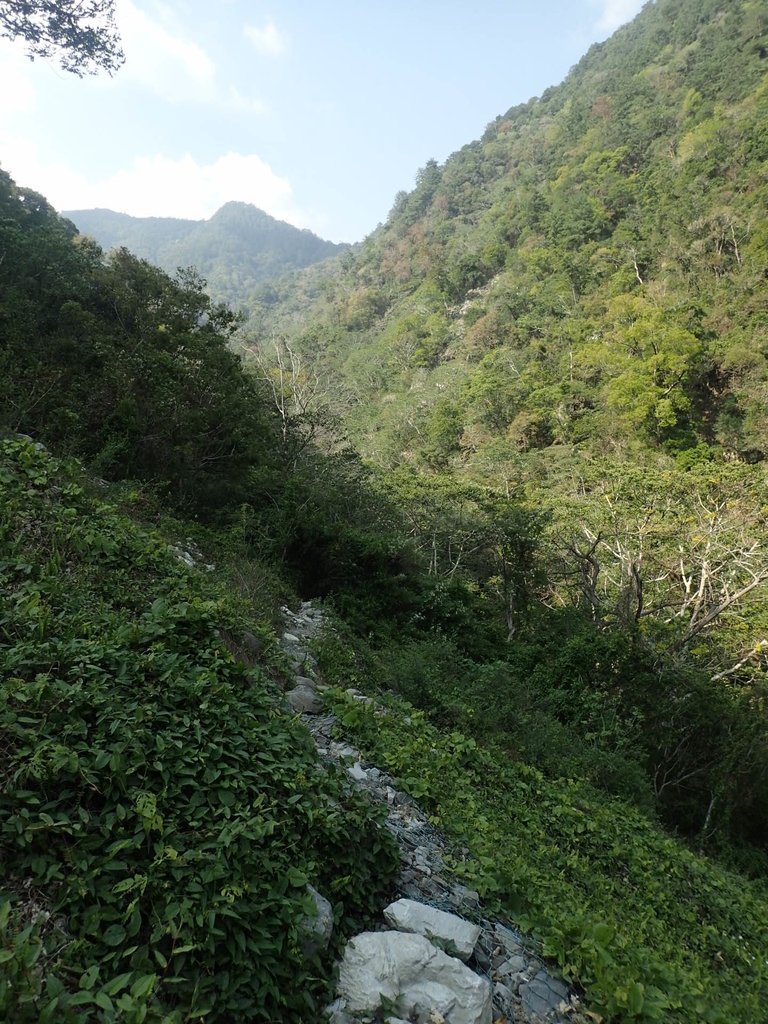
point(357, 773)
point(410, 916)
point(337, 1014)
point(416, 976)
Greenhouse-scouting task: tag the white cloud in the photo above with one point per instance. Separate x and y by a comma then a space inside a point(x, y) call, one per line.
point(269, 40)
point(251, 104)
point(16, 88)
point(614, 13)
point(174, 68)
point(159, 186)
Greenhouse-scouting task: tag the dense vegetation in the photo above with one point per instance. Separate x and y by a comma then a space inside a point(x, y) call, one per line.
point(235, 250)
point(553, 358)
point(554, 351)
point(160, 816)
point(638, 920)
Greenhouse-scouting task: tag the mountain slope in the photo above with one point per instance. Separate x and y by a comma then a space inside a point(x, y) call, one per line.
point(234, 250)
point(626, 203)
point(572, 312)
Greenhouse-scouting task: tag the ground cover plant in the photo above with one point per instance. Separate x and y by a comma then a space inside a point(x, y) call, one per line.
point(160, 815)
point(649, 930)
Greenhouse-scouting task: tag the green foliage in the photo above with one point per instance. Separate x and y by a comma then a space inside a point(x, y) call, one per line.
point(121, 365)
point(235, 250)
point(82, 36)
point(598, 253)
point(153, 791)
point(628, 913)
point(575, 317)
point(555, 349)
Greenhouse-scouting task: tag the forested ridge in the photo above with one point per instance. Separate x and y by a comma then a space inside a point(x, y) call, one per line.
point(235, 250)
point(549, 561)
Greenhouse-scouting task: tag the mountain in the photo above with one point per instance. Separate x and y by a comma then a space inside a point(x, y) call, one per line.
point(570, 315)
point(591, 268)
point(543, 589)
point(236, 249)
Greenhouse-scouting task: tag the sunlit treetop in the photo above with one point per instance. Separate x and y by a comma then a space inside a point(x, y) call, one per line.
point(80, 34)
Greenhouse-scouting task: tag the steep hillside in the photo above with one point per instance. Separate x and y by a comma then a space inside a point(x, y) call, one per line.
point(236, 249)
point(555, 351)
point(550, 573)
point(591, 268)
point(161, 813)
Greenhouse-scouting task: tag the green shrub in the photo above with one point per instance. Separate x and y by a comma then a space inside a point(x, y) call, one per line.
point(649, 930)
point(153, 789)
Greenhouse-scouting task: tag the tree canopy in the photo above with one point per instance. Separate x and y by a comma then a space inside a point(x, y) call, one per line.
point(80, 34)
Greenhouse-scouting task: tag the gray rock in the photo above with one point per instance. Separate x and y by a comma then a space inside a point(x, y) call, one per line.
point(510, 940)
point(318, 928)
point(357, 772)
point(310, 684)
point(409, 916)
point(512, 972)
point(304, 700)
point(464, 897)
point(504, 1000)
point(344, 750)
point(543, 995)
point(416, 976)
point(253, 645)
point(290, 638)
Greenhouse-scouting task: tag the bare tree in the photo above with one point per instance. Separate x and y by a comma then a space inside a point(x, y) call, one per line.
point(683, 560)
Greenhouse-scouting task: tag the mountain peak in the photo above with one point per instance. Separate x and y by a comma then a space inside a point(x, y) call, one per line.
point(237, 248)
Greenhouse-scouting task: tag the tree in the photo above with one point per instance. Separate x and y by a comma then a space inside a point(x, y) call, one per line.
point(80, 33)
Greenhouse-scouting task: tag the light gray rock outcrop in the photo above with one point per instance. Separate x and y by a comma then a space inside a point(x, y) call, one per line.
point(414, 976)
point(304, 700)
point(460, 937)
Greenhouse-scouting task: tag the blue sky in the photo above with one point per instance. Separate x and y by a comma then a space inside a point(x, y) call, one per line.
point(318, 112)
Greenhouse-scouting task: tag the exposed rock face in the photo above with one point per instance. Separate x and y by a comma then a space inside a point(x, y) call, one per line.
point(455, 932)
point(542, 995)
point(413, 975)
point(304, 700)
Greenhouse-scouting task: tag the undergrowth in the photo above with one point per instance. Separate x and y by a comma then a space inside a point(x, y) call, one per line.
point(649, 930)
point(160, 815)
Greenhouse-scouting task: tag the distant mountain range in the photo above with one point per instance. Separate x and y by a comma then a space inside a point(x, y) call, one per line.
point(236, 249)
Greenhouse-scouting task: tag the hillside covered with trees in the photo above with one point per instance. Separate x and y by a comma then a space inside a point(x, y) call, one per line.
point(548, 562)
point(568, 317)
point(235, 250)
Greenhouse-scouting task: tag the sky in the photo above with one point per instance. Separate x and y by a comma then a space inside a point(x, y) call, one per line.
point(316, 111)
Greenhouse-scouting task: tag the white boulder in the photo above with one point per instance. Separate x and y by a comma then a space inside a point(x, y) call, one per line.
point(409, 916)
point(415, 977)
